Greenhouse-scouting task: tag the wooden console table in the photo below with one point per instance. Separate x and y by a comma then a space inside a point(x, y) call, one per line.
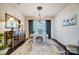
point(13, 38)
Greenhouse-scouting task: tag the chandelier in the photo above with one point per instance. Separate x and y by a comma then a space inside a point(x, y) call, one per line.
point(39, 17)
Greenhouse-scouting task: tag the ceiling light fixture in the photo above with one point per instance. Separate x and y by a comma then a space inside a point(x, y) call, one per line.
point(39, 17)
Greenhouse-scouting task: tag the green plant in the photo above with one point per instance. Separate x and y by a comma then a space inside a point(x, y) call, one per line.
point(1, 36)
point(3, 47)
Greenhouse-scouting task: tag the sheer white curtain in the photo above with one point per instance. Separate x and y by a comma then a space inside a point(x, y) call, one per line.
point(39, 27)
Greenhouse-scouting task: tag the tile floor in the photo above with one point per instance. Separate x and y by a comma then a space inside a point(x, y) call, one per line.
point(44, 48)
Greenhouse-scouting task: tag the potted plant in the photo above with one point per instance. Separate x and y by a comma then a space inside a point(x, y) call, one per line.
point(1, 39)
point(3, 48)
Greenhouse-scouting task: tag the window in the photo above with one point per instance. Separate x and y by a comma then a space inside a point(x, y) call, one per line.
point(39, 27)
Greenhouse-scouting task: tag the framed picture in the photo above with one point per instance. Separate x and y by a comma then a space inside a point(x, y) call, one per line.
point(11, 21)
point(70, 21)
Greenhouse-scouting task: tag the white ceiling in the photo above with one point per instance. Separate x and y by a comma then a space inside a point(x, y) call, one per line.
point(30, 9)
point(49, 9)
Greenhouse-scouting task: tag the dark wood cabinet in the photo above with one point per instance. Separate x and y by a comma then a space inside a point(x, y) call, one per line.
point(14, 38)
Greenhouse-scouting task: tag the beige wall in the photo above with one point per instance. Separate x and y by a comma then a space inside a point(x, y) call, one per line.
point(27, 25)
point(10, 9)
point(68, 34)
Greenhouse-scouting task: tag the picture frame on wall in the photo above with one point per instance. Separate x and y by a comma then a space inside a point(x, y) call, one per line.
point(70, 20)
point(11, 21)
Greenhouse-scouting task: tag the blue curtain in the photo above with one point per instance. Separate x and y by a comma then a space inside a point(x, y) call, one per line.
point(48, 28)
point(30, 26)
